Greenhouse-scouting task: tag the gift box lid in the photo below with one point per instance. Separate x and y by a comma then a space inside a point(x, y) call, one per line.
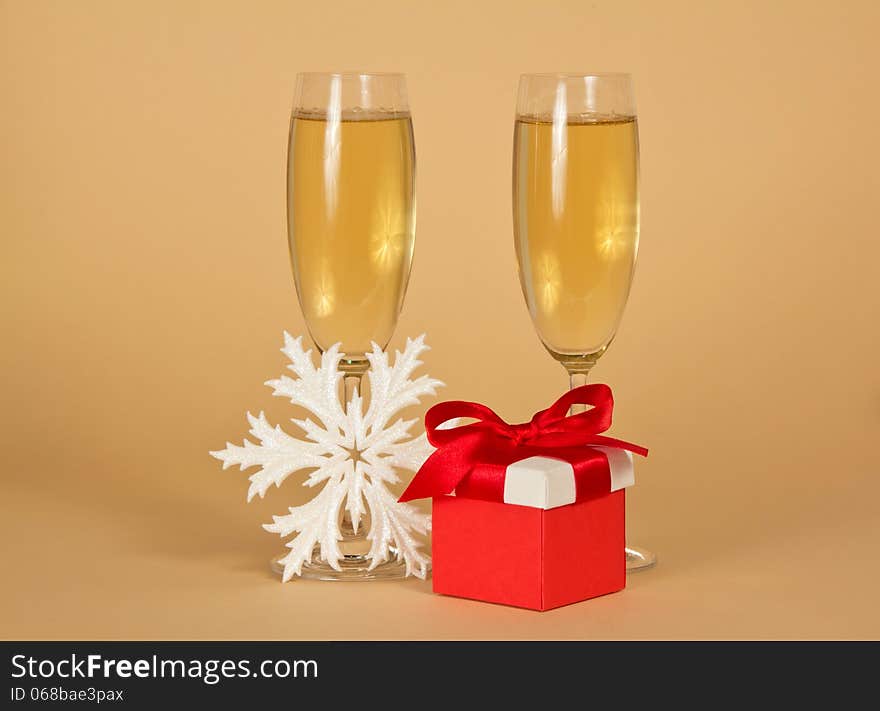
point(547, 483)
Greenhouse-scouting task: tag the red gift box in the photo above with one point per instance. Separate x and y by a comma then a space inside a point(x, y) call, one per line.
point(537, 519)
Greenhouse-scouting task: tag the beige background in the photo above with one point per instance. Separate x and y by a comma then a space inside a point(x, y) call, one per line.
point(146, 283)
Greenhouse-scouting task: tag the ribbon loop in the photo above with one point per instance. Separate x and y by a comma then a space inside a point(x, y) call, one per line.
point(459, 449)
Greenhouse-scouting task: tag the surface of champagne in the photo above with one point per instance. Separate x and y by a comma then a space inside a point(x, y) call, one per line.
point(576, 224)
point(351, 224)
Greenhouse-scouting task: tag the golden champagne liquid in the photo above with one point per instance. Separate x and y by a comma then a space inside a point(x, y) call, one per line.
point(351, 224)
point(576, 225)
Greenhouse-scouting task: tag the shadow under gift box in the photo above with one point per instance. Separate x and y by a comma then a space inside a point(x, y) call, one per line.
point(537, 550)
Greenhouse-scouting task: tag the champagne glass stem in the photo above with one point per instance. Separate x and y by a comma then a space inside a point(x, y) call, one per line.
point(351, 383)
point(576, 379)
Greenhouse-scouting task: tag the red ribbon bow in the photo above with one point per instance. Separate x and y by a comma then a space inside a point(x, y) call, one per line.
point(491, 439)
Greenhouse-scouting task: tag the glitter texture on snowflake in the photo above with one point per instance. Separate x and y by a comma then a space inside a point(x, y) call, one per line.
point(354, 455)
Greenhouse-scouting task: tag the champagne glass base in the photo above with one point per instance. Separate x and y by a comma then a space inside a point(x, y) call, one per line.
point(639, 559)
point(353, 568)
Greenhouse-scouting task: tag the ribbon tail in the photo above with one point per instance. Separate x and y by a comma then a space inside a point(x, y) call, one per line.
point(444, 469)
point(618, 444)
point(434, 478)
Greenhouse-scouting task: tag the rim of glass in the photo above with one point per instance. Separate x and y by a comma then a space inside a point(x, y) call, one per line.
point(577, 75)
point(388, 75)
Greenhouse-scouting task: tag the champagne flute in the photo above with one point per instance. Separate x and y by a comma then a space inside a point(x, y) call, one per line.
point(576, 215)
point(351, 229)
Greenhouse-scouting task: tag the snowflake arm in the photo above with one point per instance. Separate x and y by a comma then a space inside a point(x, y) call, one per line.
point(278, 455)
point(391, 387)
point(311, 521)
point(315, 389)
point(412, 453)
point(394, 528)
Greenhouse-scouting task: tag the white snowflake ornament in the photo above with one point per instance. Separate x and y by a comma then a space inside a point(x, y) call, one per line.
point(352, 454)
